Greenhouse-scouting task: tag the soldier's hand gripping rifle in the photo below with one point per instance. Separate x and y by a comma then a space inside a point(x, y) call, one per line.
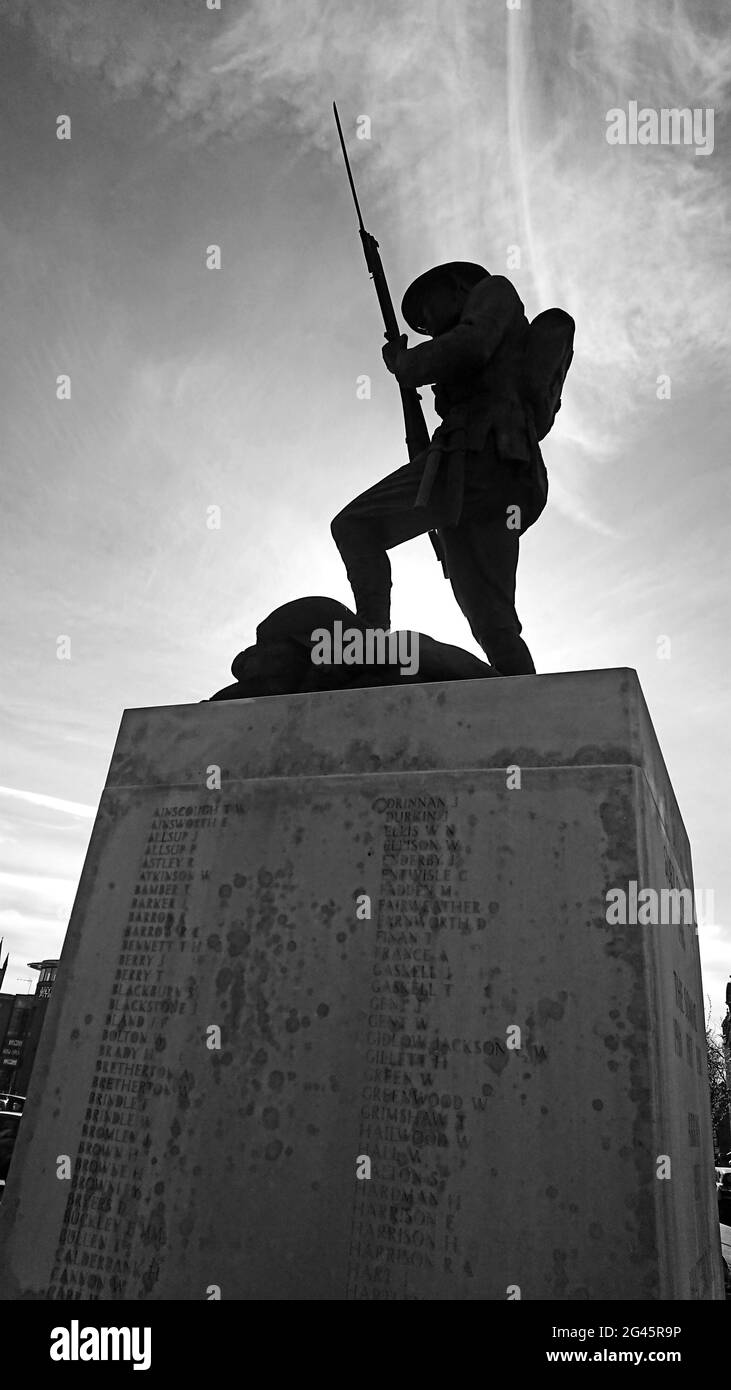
point(417, 434)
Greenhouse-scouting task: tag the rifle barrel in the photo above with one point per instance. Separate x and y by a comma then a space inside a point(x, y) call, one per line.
point(347, 166)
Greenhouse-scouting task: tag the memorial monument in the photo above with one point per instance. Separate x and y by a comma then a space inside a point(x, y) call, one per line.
point(356, 1000)
point(359, 1022)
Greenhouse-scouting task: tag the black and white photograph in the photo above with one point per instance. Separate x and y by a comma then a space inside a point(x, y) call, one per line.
point(365, 929)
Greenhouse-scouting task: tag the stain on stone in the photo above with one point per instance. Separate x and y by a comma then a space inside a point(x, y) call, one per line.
point(262, 1017)
point(151, 1276)
point(276, 1080)
point(184, 1084)
point(550, 1008)
point(323, 1010)
point(559, 1271)
point(498, 1062)
point(270, 1118)
point(597, 1105)
point(273, 1148)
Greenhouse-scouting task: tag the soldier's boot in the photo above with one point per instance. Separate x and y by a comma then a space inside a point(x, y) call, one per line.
point(369, 575)
point(509, 655)
point(373, 615)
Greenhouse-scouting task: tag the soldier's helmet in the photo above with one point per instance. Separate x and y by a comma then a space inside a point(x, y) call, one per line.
point(411, 304)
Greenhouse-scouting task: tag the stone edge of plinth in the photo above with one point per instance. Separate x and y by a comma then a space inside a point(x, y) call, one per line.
point(563, 719)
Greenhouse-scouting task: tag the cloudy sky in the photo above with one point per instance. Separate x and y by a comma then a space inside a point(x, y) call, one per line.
point(236, 388)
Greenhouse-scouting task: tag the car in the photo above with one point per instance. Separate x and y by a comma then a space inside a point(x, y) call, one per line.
point(9, 1124)
point(723, 1193)
point(9, 1101)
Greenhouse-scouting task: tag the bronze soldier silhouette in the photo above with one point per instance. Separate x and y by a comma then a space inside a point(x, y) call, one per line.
point(481, 482)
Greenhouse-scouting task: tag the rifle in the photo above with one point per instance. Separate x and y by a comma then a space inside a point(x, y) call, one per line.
point(417, 434)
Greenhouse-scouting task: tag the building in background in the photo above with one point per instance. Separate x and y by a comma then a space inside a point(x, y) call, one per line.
point(21, 1021)
point(6, 1000)
point(48, 970)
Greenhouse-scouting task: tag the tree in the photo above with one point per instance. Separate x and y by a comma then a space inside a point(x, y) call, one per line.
point(716, 1075)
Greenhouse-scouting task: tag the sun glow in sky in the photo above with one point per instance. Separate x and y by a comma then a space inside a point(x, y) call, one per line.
point(236, 388)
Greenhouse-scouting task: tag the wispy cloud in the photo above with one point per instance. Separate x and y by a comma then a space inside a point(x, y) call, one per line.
point(475, 146)
point(53, 803)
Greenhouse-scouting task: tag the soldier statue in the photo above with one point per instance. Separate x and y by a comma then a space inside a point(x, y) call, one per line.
point(480, 482)
point(475, 487)
point(490, 482)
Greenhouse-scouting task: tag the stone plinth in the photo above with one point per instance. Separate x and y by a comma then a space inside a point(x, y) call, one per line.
point(382, 943)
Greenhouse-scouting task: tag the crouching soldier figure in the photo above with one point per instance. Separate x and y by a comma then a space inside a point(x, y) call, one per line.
point(481, 481)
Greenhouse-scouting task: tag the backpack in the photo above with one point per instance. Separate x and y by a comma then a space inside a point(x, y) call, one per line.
point(548, 351)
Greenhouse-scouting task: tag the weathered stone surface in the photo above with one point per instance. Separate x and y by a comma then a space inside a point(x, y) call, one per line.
point(343, 1037)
